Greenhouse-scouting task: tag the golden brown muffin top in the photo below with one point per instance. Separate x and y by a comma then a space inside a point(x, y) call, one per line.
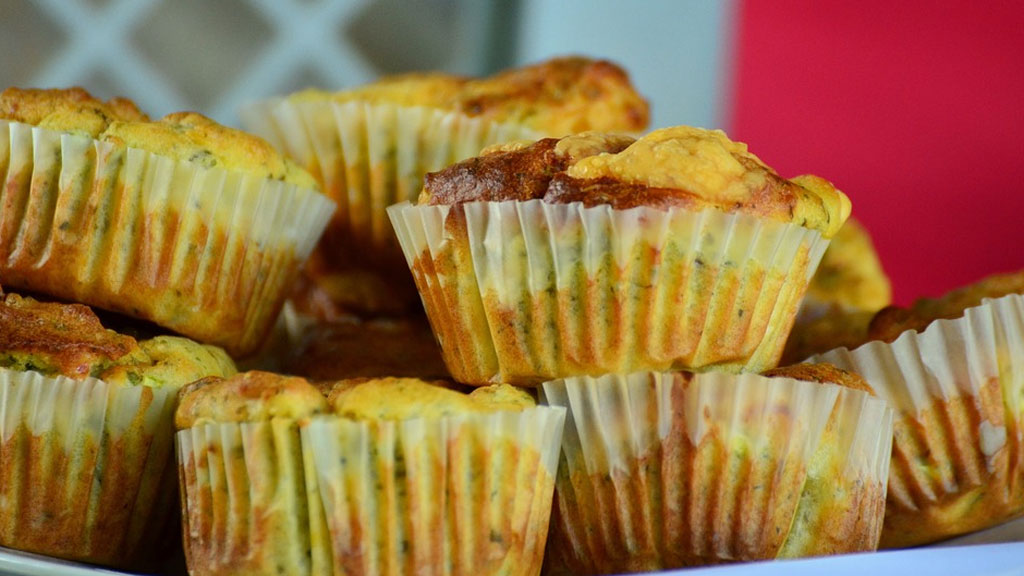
point(850, 274)
point(254, 396)
point(69, 340)
point(822, 373)
point(194, 138)
point(680, 166)
point(405, 398)
point(53, 338)
point(892, 321)
point(184, 136)
point(559, 96)
point(247, 397)
point(66, 110)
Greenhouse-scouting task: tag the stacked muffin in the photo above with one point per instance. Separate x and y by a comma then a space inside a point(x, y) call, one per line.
point(370, 146)
point(953, 370)
point(593, 265)
point(196, 229)
point(365, 476)
point(644, 286)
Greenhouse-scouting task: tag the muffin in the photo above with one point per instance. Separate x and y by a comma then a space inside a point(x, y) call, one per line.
point(666, 470)
point(952, 369)
point(86, 459)
point(353, 348)
point(370, 147)
point(183, 222)
point(849, 287)
point(364, 476)
point(598, 253)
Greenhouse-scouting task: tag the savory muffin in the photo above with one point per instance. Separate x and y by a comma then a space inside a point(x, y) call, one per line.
point(191, 225)
point(666, 470)
point(952, 369)
point(87, 460)
point(598, 253)
point(370, 146)
point(364, 476)
point(849, 287)
point(892, 321)
point(353, 348)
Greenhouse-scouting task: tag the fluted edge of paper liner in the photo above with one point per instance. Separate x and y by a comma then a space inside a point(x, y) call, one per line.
point(244, 502)
point(522, 292)
point(206, 252)
point(957, 388)
point(663, 470)
point(468, 494)
point(86, 467)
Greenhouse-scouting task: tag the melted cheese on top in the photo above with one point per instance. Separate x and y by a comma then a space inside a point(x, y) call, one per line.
point(720, 171)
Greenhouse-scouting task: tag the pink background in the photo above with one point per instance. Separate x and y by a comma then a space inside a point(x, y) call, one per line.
point(913, 108)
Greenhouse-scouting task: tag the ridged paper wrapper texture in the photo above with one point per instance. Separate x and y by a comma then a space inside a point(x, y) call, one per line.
point(666, 470)
point(244, 503)
point(86, 469)
point(464, 495)
point(205, 252)
point(522, 292)
point(368, 156)
point(958, 391)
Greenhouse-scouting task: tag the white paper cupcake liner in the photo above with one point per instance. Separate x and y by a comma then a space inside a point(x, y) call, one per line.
point(244, 499)
point(369, 156)
point(86, 468)
point(521, 292)
point(665, 470)
point(957, 388)
point(463, 495)
point(202, 251)
point(843, 500)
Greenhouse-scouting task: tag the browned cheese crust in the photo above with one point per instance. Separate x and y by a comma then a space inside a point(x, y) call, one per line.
point(557, 97)
point(71, 109)
point(892, 321)
point(680, 167)
point(67, 339)
point(245, 397)
point(822, 373)
point(560, 96)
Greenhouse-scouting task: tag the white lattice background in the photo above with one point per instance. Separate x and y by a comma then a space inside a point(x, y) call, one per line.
point(211, 56)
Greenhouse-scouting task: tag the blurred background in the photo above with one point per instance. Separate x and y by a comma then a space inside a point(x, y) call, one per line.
point(911, 107)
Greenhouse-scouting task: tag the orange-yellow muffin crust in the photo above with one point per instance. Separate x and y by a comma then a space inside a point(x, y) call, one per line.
point(681, 167)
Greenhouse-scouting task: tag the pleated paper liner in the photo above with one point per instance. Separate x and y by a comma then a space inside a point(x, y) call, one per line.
point(86, 469)
point(202, 251)
point(464, 495)
point(663, 470)
point(957, 388)
point(521, 292)
point(369, 156)
point(244, 505)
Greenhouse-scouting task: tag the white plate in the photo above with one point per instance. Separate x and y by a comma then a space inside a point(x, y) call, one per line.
point(18, 563)
point(984, 560)
point(970, 555)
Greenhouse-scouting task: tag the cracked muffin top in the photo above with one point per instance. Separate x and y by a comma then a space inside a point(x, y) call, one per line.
point(681, 166)
point(184, 136)
point(256, 396)
point(558, 96)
